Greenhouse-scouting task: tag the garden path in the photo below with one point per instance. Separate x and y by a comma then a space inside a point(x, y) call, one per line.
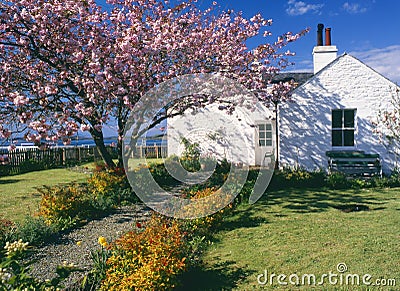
point(75, 247)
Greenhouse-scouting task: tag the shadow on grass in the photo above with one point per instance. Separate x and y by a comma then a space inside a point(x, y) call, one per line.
point(317, 200)
point(223, 276)
point(9, 181)
point(242, 219)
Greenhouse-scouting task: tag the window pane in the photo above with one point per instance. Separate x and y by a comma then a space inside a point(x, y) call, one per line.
point(337, 138)
point(348, 137)
point(268, 126)
point(337, 119)
point(268, 142)
point(262, 134)
point(262, 142)
point(268, 134)
point(261, 127)
point(349, 118)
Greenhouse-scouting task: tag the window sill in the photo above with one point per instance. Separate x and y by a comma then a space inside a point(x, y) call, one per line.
point(343, 148)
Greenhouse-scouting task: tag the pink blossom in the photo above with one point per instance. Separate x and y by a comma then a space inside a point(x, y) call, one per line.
point(66, 141)
point(50, 90)
point(84, 127)
point(19, 99)
point(83, 63)
point(11, 147)
point(4, 133)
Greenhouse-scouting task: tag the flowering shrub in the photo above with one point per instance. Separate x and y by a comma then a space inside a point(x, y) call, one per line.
point(298, 178)
point(66, 204)
point(108, 188)
point(146, 259)
point(104, 182)
point(62, 202)
point(207, 199)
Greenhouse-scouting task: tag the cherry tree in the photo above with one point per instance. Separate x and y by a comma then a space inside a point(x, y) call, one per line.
point(71, 65)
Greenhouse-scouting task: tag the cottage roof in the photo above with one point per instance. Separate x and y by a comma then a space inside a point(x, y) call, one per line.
point(297, 77)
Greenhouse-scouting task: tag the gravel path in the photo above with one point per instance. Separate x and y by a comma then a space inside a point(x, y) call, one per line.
point(66, 249)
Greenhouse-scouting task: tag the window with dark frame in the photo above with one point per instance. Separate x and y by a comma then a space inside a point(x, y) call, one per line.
point(343, 127)
point(265, 135)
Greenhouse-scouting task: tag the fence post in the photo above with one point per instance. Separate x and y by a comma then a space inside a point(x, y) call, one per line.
point(64, 157)
point(78, 154)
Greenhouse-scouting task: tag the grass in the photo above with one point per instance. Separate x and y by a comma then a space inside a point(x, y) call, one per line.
point(134, 163)
point(18, 196)
point(300, 231)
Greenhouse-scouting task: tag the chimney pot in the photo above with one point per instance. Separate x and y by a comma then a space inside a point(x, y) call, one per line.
point(328, 37)
point(319, 34)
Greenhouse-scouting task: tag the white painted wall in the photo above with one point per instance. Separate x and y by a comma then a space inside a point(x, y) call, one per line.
point(238, 133)
point(305, 124)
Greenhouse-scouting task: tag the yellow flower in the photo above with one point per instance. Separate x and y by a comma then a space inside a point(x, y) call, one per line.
point(78, 243)
point(103, 241)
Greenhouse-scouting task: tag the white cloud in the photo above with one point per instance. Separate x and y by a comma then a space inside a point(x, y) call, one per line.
point(385, 61)
point(300, 8)
point(354, 8)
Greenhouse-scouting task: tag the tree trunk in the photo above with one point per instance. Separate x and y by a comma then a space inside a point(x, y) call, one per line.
point(119, 149)
point(105, 155)
point(121, 131)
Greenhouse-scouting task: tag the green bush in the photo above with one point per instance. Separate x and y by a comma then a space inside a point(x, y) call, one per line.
point(341, 181)
point(7, 231)
point(337, 180)
point(35, 230)
point(66, 205)
point(5, 170)
point(31, 165)
point(298, 178)
point(160, 172)
point(190, 158)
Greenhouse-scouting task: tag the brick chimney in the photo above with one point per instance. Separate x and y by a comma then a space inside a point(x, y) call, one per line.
point(323, 54)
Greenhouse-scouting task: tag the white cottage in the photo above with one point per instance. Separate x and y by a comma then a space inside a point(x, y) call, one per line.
point(333, 111)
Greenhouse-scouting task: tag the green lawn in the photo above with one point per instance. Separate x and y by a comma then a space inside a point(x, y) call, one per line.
point(303, 232)
point(18, 197)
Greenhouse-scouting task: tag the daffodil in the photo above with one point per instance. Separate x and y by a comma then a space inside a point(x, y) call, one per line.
point(103, 241)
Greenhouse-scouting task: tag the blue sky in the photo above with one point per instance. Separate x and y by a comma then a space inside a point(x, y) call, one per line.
point(366, 29)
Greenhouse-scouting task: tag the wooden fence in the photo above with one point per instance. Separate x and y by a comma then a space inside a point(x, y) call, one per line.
point(32, 158)
point(27, 159)
point(153, 152)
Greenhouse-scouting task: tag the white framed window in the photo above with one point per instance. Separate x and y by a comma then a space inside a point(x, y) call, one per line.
point(265, 135)
point(343, 127)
